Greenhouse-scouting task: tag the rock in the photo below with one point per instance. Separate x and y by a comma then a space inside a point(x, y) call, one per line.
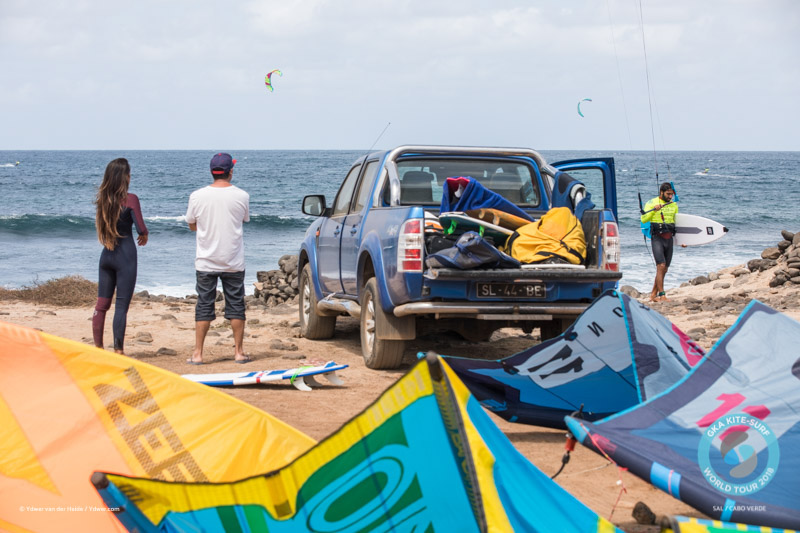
point(699, 280)
point(643, 514)
point(253, 322)
point(741, 280)
point(167, 316)
point(796, 238)
point(45, 312)
point(294, 356)
point(793, 272)
point(795, 280)
point(778, 280)
point(144, 337)
point(691, 300)
point(788, 235)
point(714, 276)
point(740, 272)
point(756, 264)
point(166, 351)
point(700, 330)
point(143, 294)
point(771, 253)
point(722, 285)
point(783, 245)
point(219, 297)
point(630, 291)
point(278, 344)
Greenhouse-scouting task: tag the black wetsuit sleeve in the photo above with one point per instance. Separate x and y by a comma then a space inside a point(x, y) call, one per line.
point(133, 203)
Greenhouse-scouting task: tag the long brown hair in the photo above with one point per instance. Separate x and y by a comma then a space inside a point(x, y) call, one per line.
point(110, 201)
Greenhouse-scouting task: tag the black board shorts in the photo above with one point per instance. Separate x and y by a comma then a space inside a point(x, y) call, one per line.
point(662, 249)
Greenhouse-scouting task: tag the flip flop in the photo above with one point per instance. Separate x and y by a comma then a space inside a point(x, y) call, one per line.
point(243, 361)
point(195, 362)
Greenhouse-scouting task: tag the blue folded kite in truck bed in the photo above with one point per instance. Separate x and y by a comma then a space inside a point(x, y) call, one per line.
point(475, 196)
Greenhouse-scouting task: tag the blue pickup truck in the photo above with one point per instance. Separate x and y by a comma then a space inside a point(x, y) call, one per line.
point(364, 255)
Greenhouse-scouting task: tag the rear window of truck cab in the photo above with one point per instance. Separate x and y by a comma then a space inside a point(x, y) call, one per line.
point(422, 180)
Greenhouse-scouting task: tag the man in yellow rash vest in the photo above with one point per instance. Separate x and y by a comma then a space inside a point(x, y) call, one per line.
point(660, 213)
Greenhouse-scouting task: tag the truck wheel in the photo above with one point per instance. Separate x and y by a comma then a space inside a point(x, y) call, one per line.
point(378, 353)
point(312, 325)
point(554, 328)
point(476, 330)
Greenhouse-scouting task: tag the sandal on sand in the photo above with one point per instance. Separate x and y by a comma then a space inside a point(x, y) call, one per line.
point(194, 362)
point(243, 361)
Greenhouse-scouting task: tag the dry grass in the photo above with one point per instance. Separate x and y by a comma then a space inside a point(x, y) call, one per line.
point(70, 291)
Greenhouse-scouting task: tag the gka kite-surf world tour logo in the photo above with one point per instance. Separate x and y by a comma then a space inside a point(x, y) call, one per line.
point(738, 454)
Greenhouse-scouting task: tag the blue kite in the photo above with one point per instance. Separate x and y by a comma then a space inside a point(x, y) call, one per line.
point(617, 354)
point(725, 438)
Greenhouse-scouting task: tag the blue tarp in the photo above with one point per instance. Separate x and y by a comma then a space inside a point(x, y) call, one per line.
point(724, 439)
point(616, 354)
point(475, 196)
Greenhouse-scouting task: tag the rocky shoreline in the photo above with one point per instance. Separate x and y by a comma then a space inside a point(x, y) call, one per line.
point(706, 306)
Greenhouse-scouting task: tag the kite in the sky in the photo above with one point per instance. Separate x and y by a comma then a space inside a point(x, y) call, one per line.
point(579, 105)
point(268, 78)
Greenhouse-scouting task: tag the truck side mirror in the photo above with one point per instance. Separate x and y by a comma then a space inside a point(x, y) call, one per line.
point(314, 205)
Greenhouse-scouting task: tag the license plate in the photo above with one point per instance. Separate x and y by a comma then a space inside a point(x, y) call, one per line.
point(511, 290)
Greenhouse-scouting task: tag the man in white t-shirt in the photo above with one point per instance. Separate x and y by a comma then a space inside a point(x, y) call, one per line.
point(216, 212)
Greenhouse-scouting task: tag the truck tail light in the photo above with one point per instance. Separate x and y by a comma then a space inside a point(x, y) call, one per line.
point(610, 246)
point(410, 246)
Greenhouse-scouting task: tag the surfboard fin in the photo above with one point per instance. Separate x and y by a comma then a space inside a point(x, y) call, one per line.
point(333, 378)
point(300, 384)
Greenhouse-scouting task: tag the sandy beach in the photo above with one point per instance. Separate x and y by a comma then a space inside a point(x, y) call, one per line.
point(161, 332)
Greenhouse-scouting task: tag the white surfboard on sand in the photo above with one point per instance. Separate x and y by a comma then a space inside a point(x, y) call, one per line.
point(300, 377)
point(693, 230)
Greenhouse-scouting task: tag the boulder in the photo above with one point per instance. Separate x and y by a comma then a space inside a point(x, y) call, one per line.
point(771, 253)
point(796, 238)
point(788, 235)
point(630, 291)
point(783, 245)
point(699, 280)
point(740, 272)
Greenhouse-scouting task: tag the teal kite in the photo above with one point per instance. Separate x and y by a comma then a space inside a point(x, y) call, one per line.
point(579, 105)
point(268, 78)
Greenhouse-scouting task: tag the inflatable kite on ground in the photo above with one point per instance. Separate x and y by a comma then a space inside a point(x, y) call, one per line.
point(684, 524)
point(579, 105)
point(617, 354)
point(724, 439)
point(423, 457)
point(268, 78)
point(68, 409)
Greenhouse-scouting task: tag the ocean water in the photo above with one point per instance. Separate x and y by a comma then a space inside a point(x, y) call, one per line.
point(47, 215)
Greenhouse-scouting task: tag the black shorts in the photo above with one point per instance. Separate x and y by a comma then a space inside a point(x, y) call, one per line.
point(232, 288)
point(662, 249)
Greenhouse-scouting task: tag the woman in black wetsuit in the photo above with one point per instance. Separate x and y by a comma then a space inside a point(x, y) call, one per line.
point(117, 212)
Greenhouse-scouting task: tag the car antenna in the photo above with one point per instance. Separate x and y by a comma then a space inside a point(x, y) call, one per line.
point(377, 139)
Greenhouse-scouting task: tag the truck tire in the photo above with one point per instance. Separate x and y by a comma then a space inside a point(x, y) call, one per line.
point(476, 330)
point(554, 328)
point(312, 325)
point(379, 354)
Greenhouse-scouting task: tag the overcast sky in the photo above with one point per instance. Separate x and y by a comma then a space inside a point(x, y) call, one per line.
point(189, 74)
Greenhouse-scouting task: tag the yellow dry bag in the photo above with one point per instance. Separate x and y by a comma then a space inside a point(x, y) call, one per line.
point(557, 236)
